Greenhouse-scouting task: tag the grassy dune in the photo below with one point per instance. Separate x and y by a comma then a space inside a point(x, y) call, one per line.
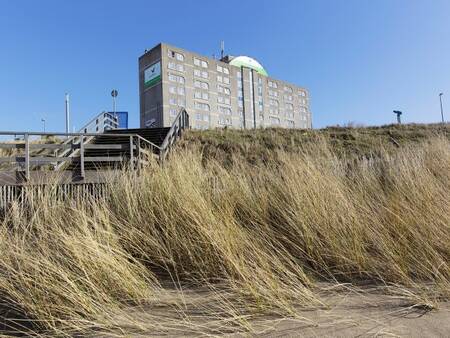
point(255, 231)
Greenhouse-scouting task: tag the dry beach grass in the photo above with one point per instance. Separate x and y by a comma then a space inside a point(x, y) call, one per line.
point(215, 243)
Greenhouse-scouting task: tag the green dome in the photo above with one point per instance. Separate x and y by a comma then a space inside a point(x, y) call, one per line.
point(248, 62)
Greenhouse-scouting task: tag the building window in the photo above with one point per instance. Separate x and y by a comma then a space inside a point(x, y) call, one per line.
point(291, 124)
point(225, 110)
point(259, 80)
point(173, 112)
point(176, 90)
point(225, 100)
point(179, 57)
point(173, 100)
point(175, 66)
point(224, 90)
point(289, 106)
point(200, 84)
point(197, 62)
point(273, 93)
point(176, 78)
point(204, 74)
point(201, 106)
point(172, 65)
point(219, 68)
point(301, 93)
point(287, 97)
point(288, 89)
point(274, 102)
point(224, 121)
point(272, 84)
point(173, 54)
point(274, 121)
point(226, 71)
point(202, 117)
point(290, 114)
point(274, 111)
point(219, 78)
point(239, 74)
point(201, 95)
point(226, 80)
point(204, 64)
point(197, 72)
point(240, 103)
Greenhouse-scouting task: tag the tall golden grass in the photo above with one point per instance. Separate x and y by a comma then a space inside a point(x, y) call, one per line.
point(258, 236)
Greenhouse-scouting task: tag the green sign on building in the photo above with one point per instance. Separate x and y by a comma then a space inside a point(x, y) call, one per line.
point(152, 75)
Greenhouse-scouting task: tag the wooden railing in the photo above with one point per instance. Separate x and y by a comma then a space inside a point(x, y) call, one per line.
point(29, 155)
point(180, 123)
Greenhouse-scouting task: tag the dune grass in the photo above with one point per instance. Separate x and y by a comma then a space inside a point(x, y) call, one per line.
point(258, 235)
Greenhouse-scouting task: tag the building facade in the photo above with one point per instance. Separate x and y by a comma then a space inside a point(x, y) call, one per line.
point(233, 92)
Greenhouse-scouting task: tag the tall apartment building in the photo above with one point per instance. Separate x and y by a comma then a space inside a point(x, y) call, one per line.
point(235, 92)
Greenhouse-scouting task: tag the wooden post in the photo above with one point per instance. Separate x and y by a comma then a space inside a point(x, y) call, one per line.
point(27, 157)
point(82, 173)
point(131, 153)
point(139, 154)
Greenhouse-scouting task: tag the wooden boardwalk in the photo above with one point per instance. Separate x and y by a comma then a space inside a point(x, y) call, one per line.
point(79, 162)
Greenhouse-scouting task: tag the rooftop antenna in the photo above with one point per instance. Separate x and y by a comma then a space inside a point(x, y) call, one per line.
point(399, 113)
point(222, 49)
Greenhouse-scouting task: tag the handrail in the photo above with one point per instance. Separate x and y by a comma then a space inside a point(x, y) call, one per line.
point(36, 133)
point(180, 123)
point(73, 148)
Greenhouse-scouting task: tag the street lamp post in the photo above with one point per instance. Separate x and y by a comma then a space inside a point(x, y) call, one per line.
point(442, 107)
point(43, 124)
point(114, 94)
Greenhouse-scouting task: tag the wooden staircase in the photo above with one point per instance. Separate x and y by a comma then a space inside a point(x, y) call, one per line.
point(83, 157)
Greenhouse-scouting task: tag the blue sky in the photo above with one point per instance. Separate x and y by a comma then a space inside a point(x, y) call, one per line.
point(359, 59)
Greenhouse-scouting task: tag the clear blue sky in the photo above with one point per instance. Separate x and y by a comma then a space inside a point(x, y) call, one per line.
point(359, 59)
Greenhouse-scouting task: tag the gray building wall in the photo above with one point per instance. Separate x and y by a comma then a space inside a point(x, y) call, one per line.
point(217, 94)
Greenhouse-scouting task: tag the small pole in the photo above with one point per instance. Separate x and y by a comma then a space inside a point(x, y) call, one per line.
point(67, 114)
point(27, 157)
point(114, 94)
point(82, 156)
point(442, 107)
point(131, 152)
point(43, 122)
